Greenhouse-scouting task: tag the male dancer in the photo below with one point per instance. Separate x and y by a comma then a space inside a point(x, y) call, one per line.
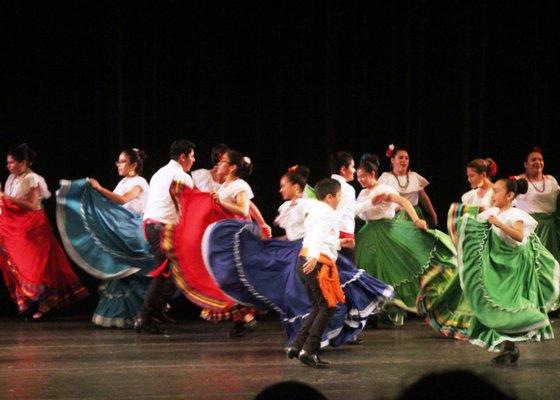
point(161, 210)
point(317, 269)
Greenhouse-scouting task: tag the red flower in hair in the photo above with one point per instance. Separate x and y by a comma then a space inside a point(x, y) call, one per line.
point(513, 178)
point(493, 168)
point(390, 150)
point(293, 168)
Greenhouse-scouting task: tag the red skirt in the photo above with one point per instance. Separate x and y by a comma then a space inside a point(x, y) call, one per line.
point(182, 244)
point(33, 265)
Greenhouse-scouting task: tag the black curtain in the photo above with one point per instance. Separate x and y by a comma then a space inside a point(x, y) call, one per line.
point(284, 83)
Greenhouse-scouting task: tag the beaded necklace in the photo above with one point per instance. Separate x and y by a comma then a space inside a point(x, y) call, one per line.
point(535, 186)
point(399, 182)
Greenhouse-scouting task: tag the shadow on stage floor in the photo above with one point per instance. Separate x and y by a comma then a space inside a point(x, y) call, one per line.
point(70, 358)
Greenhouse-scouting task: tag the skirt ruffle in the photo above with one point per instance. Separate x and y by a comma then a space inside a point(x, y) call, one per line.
point(262, 273)
point(509, 289)
point(33, 265)
point(103, 238)
point(398, 253)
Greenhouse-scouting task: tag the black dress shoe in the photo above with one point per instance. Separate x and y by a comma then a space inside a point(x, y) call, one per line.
point(163, 318)
point(292, 352)
point(141, 324)
point(312, 360)
point(511, 355)
point(241, 328)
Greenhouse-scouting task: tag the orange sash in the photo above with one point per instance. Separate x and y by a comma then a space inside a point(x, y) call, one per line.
point(329, 281)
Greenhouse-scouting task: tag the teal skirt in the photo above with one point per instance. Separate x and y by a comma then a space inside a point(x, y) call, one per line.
point(508, 289)
point(120, 300)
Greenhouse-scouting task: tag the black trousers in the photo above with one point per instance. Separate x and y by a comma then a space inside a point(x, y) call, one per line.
point(161, 289)
point(309, 335)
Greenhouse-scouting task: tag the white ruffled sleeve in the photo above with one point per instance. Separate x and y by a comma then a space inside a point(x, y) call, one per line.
point(422, 182)
point(529, 223)
point(34, 180)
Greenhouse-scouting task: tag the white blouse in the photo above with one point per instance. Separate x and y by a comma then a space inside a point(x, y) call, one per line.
point(203, 180)
point(535, 201)
point(19, 186)
point(383, 210)
point(510, 217)
point(347, 207)
point(229, 190)
point(138, 204)
point(291, 217)
point(473, 199)
point(407, 188)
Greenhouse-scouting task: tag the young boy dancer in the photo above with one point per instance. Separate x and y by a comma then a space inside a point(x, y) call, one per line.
point(317, 269)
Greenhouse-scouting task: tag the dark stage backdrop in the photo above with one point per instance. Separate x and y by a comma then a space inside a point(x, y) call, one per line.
point(284, 83)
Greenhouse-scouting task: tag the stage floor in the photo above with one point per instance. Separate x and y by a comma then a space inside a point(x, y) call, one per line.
point(72, 359)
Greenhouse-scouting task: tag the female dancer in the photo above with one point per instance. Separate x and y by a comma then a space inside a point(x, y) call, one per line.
point(291, 214)
point(441, 301)
point(207, 180)
point(343, 170)
point(210, 180)
point(540, 201)
point(34, 267)
point(121, 299)
point(398, 252)
point(409, 184)
point(509, 278)
point(479, 172)
point(262, 273)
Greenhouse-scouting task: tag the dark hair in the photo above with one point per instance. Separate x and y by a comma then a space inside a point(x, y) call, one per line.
point(535, 149)
point(392, 153)
point(180, 146)
point(516, 186)
point(369, 163)
point(327, 186)
point(136, 156)
point(300, 169)
point(23, 153)
point(290, 390)
point(296, 179)
point(243, 163)
point(338, 160)
point(486, 165)
point(217, 152)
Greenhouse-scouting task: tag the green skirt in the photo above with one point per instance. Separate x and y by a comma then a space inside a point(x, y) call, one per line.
point(398, 253)
point(442, 304)
point(441, 301)
point(509, 289)
point(548, 231)
point(402, 215)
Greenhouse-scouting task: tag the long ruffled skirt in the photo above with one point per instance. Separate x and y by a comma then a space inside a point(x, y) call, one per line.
point(509, 289)
point(398, 253)
point(107, 241)
point(262, 274)
point(34, 267)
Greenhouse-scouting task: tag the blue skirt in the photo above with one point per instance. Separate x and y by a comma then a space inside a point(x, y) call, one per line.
point(101, 237)
point(107, 241)
point(262, 274)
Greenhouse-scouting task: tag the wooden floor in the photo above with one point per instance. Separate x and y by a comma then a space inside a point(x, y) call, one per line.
point(70, 358)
